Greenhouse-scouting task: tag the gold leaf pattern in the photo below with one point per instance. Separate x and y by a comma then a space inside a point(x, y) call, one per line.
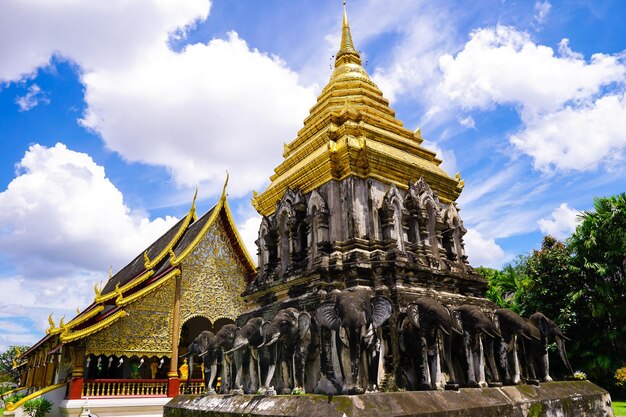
point(145, 331)
point(213, 278)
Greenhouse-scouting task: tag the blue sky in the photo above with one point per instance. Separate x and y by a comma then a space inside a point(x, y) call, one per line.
point(112, 111)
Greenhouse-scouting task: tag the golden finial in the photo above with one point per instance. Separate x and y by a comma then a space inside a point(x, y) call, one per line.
point(347, 46)
point(62, 324)
point(172, 254)
point(51, 328)
point(193, 202)
point(223, 197)
point(77, 310)
point(255, 203)
point(97, 290)
point(110, 271)
point(146, 260)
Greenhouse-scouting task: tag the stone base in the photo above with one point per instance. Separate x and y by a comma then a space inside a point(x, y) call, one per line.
point(558, 399)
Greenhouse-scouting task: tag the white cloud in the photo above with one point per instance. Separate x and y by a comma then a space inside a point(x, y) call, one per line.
point(207, 109)
point(249, 232)
point(95, 34)
point(61, 215)
point(501, 65)
point(198, 111)
point(467, 121)
point(572, 110)
point(576, 137)
point(446, 155)
point(563, 222)
point(483, 251)
point(542, 9)
point(33, 97)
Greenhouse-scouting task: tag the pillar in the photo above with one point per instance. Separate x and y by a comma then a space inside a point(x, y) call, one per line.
point(172, 375)
point(76, 383)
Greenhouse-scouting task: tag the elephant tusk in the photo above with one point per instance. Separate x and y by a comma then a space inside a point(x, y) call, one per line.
point(236, 348)
point(273, 340)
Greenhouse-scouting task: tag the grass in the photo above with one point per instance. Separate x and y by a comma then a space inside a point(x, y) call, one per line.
point(619, 408)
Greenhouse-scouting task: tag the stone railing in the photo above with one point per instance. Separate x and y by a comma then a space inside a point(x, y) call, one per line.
point(196, 387)
point(125, 388)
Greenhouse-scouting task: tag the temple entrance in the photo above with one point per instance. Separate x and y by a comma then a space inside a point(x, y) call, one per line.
point(189, 331)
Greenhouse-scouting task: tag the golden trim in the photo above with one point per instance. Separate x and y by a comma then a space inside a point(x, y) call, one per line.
point(149, 264)
point(126, 287)
point(15, 406)
point(122, 301)
point(233, 225)
point(177, 259)
point(80, 320)
point(70, 336)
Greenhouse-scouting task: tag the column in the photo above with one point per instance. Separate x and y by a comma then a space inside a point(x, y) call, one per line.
point(174, 380)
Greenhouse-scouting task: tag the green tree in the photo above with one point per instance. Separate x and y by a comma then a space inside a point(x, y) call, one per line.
point(507, 287)
point(7, 360)
point(599, 249)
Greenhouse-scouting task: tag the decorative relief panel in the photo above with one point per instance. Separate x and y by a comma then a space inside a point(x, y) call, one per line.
point(213, 278)
point(146, 330)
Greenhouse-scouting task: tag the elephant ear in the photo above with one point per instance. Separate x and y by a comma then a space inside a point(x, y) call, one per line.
point(413, 314)
point(544, 325)
point(327, 316)
point(381, 310)
point(304, 322)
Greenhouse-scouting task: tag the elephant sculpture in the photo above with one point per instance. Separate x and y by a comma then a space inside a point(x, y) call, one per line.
point(196, 348)
point(512, 351)
point(433, 323)
point(247, 342)
point(353, 317)
point(548, 332)
point(222, 342)
point(288, 337)
point(479, 337)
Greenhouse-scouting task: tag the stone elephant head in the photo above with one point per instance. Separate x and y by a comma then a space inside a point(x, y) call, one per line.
point(290, 328)
point(222, 341)
point(197, 347)
point(359, 313)
point(480, 335)
point(433, 322)
point(550, 333)
point(513, 328)
point(249, 338)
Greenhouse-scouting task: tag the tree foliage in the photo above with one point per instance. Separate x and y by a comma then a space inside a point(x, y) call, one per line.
point(580, 284)
point(8, 360)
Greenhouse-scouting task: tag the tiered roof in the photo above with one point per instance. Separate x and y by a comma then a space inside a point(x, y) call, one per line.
point(148, 271)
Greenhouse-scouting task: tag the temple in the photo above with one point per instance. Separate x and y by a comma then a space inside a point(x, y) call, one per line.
point(127, 343)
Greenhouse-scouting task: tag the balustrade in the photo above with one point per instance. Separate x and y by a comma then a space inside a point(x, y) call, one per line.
point(196, 387)
point(125, 388)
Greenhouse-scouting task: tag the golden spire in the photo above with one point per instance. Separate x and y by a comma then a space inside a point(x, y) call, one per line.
point(347, 52)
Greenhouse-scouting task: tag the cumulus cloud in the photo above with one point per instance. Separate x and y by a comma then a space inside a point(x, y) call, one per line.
point(198, 111)
point(562, 223)
point(576, 137)
point(572, 110)
point(61, 214)
point(33, 97)
point(482, 251)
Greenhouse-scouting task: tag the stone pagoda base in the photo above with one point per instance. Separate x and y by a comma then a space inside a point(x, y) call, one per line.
point(562, 399)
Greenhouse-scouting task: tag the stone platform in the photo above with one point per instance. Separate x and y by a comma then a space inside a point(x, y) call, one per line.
point(554, 399)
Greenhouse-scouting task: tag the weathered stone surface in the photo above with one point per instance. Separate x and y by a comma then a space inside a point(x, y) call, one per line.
point(554, 399)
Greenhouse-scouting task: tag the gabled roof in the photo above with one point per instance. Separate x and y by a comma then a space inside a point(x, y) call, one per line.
point(149, 270)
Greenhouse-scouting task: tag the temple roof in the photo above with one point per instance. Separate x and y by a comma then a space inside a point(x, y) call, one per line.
point(149, 270)
point(352, 131)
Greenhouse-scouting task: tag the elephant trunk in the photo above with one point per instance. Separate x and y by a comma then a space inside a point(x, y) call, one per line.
point(190, 373)
point(560, 344)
